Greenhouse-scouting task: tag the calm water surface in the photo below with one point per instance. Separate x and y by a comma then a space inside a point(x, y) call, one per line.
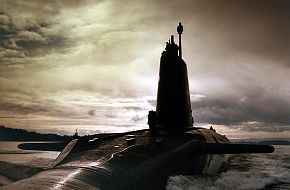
point(9, 152)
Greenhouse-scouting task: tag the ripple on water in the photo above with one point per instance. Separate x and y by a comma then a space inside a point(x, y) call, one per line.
point(246, 172)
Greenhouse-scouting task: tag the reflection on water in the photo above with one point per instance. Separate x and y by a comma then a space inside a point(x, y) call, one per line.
point(17, 164)
point(9, 152)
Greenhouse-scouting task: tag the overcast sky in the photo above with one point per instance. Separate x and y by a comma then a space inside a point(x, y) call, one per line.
point(93, 65)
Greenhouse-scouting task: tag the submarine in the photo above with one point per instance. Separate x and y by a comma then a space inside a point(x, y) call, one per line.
point(144, 159)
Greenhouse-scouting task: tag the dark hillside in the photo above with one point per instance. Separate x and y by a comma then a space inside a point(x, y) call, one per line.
point(11, 134)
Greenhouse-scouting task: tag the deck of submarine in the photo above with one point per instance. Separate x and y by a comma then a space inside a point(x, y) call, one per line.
point(117, 157)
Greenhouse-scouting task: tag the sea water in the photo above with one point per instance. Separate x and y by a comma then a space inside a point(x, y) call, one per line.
point(9, 152)
point(16, 164)
point(246, 171)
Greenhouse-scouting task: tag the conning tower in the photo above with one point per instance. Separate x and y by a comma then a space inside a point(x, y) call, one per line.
point(173, 108)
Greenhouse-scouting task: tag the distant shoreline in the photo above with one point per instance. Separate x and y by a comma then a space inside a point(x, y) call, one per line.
point(11, 134)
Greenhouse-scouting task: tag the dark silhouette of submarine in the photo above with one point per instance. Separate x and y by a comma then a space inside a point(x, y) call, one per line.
point(145, 159)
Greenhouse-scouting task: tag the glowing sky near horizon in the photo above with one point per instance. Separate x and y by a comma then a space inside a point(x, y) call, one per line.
point(93, 65)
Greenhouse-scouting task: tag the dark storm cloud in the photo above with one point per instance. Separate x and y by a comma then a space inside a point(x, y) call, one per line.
point(271, 112)
point(256, 27)
point(28, 29)
point(260, 28)
point(7, 28)
point(41, 8)
point(52, 109)
point(8, 46)
point(268, 127)
point(91, 112)
point(31, 39)
point(23, 109)
point(235, 50)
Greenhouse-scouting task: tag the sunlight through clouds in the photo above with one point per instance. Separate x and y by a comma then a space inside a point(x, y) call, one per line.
point(93, 65)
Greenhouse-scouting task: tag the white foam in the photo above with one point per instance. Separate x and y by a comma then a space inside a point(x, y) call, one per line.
point(247, 172)
point(226, 181)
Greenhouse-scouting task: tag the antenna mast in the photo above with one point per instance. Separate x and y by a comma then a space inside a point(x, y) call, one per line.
point(180, 30)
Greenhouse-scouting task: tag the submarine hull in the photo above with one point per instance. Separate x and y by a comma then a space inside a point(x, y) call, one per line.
point(130, 167)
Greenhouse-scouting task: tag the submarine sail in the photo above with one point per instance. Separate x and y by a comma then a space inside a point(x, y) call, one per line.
point(173, 109)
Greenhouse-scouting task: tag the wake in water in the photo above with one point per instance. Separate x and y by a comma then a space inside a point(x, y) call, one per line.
point(17, 164)
point(246, 172)
point(226, 181)
point(10, 172)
